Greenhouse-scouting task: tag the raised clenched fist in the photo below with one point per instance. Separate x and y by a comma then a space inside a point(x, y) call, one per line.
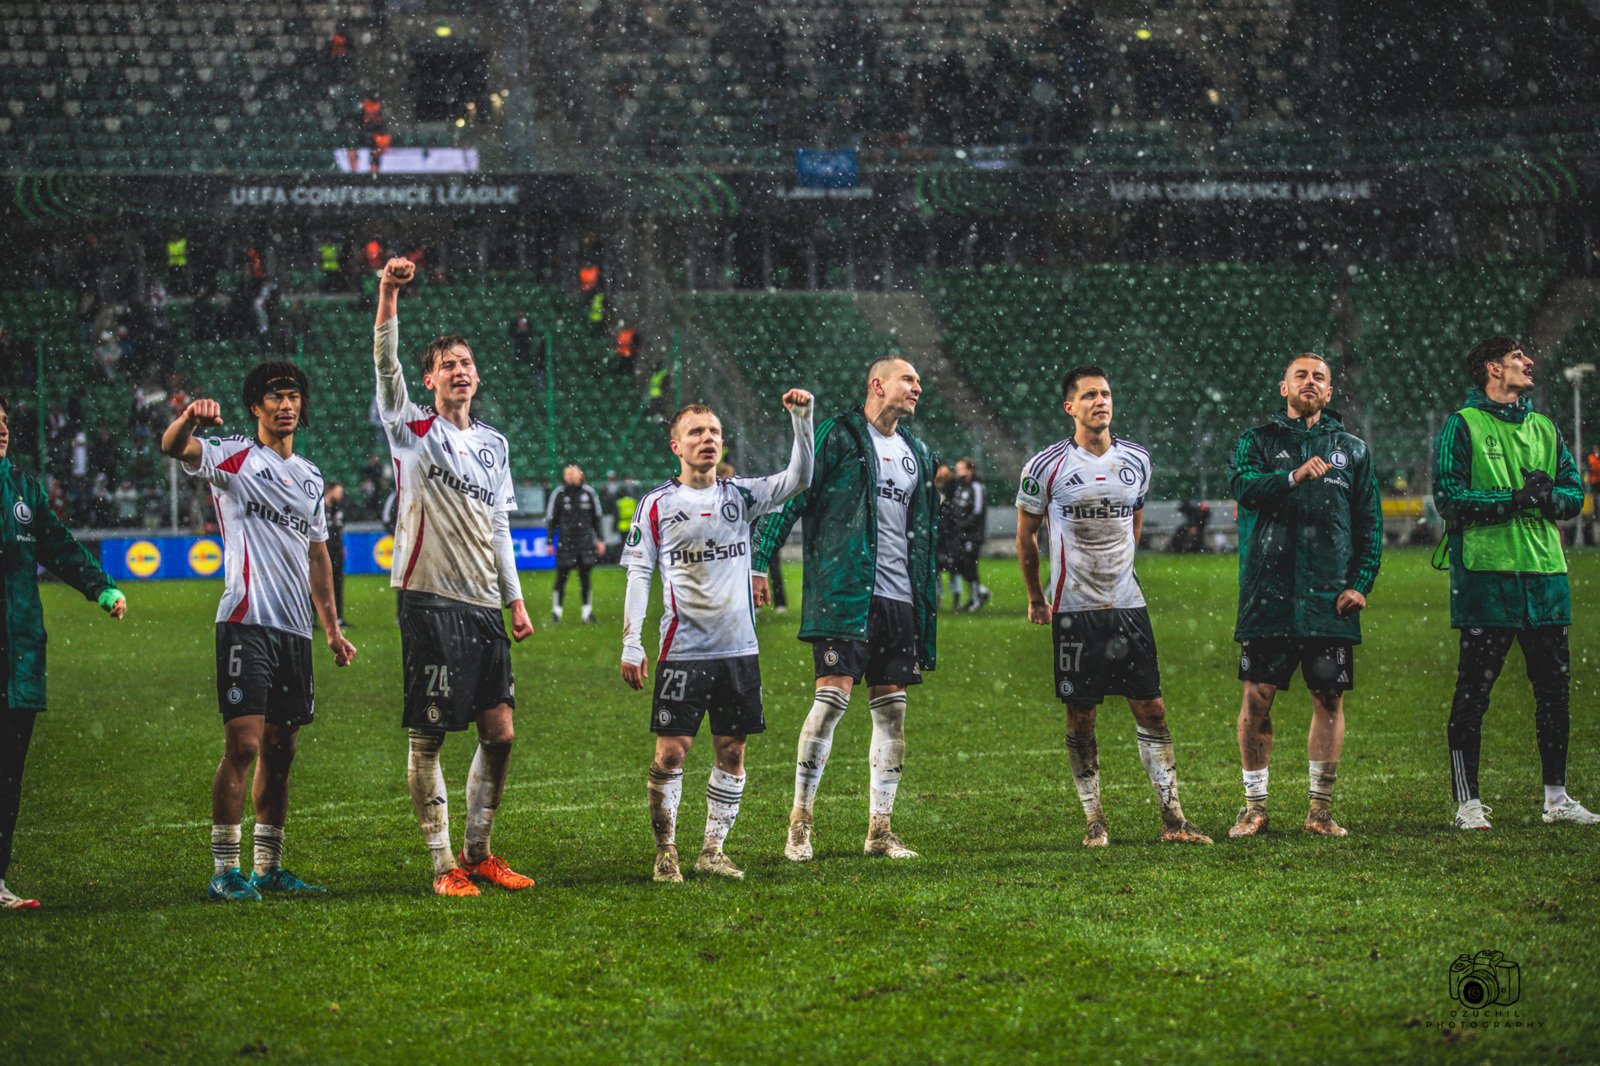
point(399, 271)
point(204, 413)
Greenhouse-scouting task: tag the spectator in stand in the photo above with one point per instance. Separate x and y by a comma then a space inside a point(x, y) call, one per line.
point(382, 139)
point(333, 509)
point(628, 344)
point(103, 454)
point(108, 355)
point(126, 502)
point(262, 318)
point(521, 333)
point(341, 54)
point(59, 429)
point(1591, 477)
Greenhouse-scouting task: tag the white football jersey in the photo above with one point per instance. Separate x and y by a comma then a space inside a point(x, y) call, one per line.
point(700, 541)
point(1088, 501)
point(451, 483)
point(897, 482)
point(269, 510)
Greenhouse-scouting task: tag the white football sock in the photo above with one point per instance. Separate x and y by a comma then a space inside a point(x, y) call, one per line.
point(1083, 756)
point(425, 779)
point(723, 793)
point(665, 789)
point(485, 782)
point(1554, 794)
point(888, 753)
point(1255, 787)
point(269, 848)
point(1155, 751)
point(1323, 775)
point(816, 740)
point(224, 847)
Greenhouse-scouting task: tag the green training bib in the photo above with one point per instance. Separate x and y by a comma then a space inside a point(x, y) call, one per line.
point(1527, 542)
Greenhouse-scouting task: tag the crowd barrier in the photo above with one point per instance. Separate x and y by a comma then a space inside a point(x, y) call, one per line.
point(160, 558)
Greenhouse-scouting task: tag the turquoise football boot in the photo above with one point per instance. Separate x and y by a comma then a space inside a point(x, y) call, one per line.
point(280, 880)
point(232, 885)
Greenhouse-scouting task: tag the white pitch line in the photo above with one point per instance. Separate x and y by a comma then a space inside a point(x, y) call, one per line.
point(320, 811)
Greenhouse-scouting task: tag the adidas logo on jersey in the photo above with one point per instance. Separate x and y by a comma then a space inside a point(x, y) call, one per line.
point(1075, 479)
point(674, 519)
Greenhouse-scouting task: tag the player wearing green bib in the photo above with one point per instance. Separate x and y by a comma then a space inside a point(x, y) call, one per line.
point(1503, 478)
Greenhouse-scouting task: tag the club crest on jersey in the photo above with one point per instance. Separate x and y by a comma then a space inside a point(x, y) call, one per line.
point(235, 695)
point(486, 457)
point(730, 511)
point(311, 489)
point(1339, 459)
point(1127, 476)
point(23, 512)
point(1030, 487)
point(909, 465)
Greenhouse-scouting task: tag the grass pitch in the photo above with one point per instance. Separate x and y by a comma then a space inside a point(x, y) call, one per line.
point(1005, 941)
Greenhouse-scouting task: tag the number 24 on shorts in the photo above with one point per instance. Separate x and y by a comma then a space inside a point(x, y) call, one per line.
point(438, 680)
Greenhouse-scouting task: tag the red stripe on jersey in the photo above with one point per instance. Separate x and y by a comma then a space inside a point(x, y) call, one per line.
point(232, 463)
point(1099, 477)
point(421, 426)
point(1054, 470)
point(655, 519)
point(672, 628)
point(416, 549)
point(244, 601)
point(1061, 579)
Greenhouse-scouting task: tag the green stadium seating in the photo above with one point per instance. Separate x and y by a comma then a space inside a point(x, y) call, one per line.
point(816, 341)
point(1194, 353)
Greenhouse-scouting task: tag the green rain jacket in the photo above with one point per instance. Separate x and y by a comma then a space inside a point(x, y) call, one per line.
point(1301, 545)
point(32, 536)
point(1495, 600)
point(841, 536)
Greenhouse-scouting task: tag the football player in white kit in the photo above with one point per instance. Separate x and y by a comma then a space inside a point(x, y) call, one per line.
point(1092, 487)
point(454, 563)
point(695, 529)
point(269, 504)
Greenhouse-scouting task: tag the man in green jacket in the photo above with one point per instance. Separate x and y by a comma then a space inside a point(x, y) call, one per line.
point(31, 536)
point(871, 588)
point(1502, 479)
point(1310, 543)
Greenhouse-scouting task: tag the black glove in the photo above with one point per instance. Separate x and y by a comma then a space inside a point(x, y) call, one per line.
point(1535, 492)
